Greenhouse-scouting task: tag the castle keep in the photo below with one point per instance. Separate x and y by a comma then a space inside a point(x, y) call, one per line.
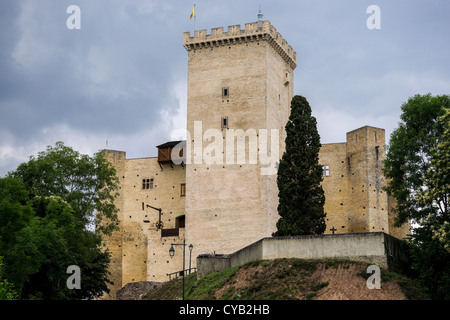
point(221, 198)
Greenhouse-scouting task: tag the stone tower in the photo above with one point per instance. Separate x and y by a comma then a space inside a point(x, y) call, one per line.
point(240, 85)
point(365, 155)
point(353, 183)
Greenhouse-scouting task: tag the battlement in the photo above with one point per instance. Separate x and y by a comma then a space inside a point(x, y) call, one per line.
point(256, 31)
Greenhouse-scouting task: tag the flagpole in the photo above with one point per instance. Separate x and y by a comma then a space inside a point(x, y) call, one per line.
point(195, 18)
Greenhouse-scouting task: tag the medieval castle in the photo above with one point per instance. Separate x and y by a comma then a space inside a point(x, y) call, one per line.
point(240, 85)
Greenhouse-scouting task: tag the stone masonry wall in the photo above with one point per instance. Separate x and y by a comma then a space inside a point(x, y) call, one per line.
point(138, 248)
point(230, 205)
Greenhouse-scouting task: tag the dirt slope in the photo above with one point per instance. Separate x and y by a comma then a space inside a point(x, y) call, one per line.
point(292, 279)
point(286, 279)
point(346, 283)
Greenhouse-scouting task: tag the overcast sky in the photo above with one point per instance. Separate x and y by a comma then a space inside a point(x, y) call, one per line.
point(123, 74)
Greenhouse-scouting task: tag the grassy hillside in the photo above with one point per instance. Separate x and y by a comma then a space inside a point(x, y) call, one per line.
point(291, 279)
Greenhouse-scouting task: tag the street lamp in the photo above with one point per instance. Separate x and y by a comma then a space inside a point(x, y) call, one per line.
point(190, 255)
point(172, 253)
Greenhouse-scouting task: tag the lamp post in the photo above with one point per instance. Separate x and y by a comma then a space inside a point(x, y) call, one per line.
point(190, 255)
point(172, 253)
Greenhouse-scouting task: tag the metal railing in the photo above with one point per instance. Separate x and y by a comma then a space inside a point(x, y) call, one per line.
point(178, 274)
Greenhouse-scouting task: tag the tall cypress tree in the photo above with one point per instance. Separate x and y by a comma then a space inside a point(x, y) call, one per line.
point(301, 197)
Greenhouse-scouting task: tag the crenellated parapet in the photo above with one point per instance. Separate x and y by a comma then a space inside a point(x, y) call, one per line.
point(257, 31)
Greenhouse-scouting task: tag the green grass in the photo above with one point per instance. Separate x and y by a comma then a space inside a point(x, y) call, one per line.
point(205, 287)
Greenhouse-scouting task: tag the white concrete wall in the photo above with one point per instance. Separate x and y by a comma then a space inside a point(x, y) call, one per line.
point(342, 246)
point(368, 247)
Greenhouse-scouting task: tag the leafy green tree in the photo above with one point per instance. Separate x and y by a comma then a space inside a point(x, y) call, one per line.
point(7, 291)
point(88, 184)
point(416, 169)
point(410, 153)
point(46, 206)
point(437, 186)
point(301, 197)
point(17, 225)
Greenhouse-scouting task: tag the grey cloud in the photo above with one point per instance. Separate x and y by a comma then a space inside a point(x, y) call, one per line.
point(117, 75)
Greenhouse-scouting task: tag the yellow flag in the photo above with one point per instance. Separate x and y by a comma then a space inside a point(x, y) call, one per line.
point(192, 13)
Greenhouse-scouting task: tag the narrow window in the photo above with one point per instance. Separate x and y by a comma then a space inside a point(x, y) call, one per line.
point(183, 189)
point(376, 150)
point(286, 78)
point(376, 136)
point(225, 92)
point(326, 171)
point(180, 222)
point(147, 184)
point(224, 122)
